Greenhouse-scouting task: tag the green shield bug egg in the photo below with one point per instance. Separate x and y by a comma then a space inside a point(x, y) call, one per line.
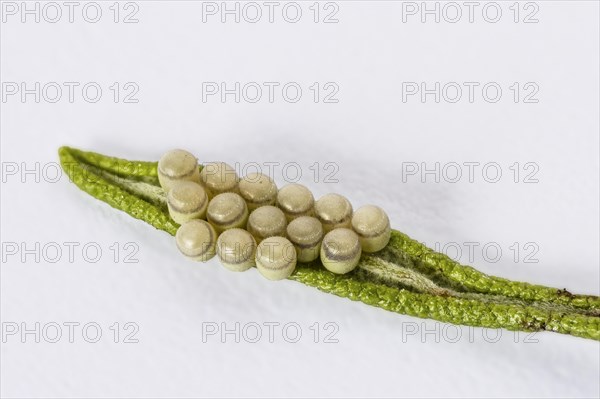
point(266, 221)
point(227, 211)
point(340, 251)
point(258, 190)
point(372, 225)
point(177, 165)
point(236, 249)
point(219, 177)
point(306, 233)
point(295, 200)
point(196, 239)
point(334, 210)
point(276, 258)
point(187, 200)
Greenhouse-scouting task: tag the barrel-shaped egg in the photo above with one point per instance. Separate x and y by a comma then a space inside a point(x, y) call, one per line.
point(175, 166)
point(218, 177)
point(276, 258)
point(340, 251)
point(295, 200)
point(236, 249)
point(306, 233)
point(372, 225)
point(186, 200)
point(258, 190)
point(333, 211)
point(196, 239)
point(266, 221)
point(227, 211)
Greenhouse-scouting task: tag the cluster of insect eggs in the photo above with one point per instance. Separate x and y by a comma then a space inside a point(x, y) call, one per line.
point(249, 221)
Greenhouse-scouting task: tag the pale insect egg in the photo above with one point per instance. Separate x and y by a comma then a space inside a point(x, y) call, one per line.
point(306, 233)
point(333, 210)
point(177, 165)
point(258, 190)
point(227, 211)
point(236, 249)
point(295, 200)
point(266, 221)
point(218, 177)
point(340, 251)
point(196, 240)
point(372, 225)
point(186, 200)
point(276, 258)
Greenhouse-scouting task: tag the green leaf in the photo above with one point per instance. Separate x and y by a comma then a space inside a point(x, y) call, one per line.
point(405, 277)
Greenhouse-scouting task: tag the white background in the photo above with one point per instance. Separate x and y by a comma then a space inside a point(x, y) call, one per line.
point(370, 134)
